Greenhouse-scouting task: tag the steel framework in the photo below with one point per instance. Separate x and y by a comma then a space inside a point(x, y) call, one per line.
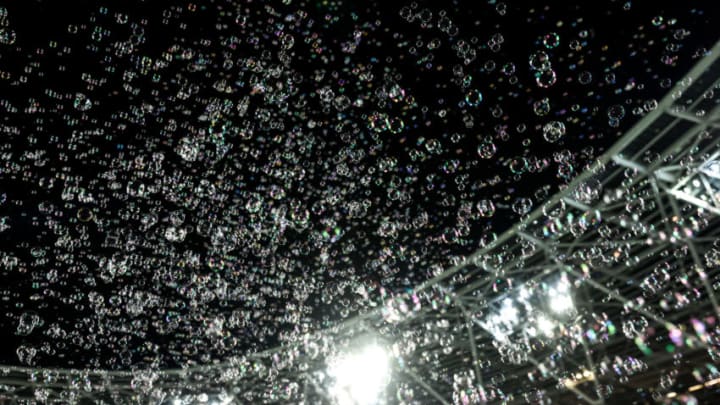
point(606, 289)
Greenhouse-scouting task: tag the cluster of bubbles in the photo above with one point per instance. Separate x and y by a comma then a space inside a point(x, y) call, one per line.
point(190, 183)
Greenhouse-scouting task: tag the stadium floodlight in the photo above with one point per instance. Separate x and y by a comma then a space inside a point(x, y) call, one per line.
point(560, 298)
point(359, 377)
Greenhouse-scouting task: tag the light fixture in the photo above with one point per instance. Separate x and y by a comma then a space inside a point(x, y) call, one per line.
point(560, 297)
point(359, 378)
point(561, 303)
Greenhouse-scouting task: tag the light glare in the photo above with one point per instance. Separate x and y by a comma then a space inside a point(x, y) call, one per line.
point(360, 377)
point(545, 325)
point(561, 303)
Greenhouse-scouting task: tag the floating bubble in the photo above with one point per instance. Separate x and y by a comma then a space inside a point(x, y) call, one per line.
point(487, 149)
point(541, 107)
point(7, 36)
point(553, 131)
point(522, 205)
point(82, 102)
point(473, 98)
point(616, 112)
point(540, 61)
point(546, 78)
point(551, 40)
point(585, 77)
point(486, 208)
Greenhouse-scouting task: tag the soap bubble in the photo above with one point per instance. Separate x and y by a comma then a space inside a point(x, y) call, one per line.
point(553, 131)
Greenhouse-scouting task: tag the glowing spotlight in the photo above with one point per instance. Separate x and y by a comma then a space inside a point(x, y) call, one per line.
point(360, 377)
point(508, 313)
point(561, 303)
point(545, 326)
point(560, 297)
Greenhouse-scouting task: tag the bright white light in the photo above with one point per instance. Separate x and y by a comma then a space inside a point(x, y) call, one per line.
point(560, 297)
point(562, 287)
point(561, 303)
point(524, 294)
point(360, 377)
point(545, 325)
point(508, 313)
point(495, 327)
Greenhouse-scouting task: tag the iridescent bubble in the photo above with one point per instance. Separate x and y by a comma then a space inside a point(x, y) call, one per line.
point(616, 112)
point(28, 321)
point(540, 61)
point(585, 77)
point(175, 234)
point(546, 78)
point(553, 131)
point(486, 208)
point(188, 149)
point(487, 149)
point(635, 327)
point(541, 107)
point(522, 205)
point(650, 105)
point(551, 40)
point(26, 354)
point(518, 165)
point(396, 93)
point(473, 98)
point(588, 191)
point(82, 102)
point(7, 36)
